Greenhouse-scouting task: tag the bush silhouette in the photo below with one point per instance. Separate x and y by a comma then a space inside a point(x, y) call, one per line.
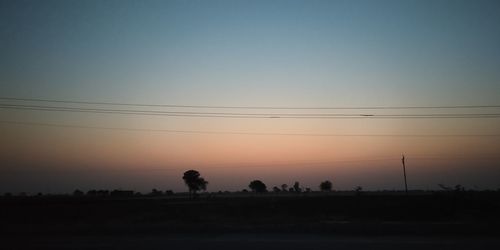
point(78, 192)
point(258, 186)
point(194, 182)
point(358, 190)
point(156, 192)
point(296, 187)
point(325, 186)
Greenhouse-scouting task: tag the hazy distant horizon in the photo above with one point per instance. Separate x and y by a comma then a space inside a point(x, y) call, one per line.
point(372, 174)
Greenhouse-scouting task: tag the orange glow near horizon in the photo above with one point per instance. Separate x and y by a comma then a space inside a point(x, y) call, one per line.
point(235, 153)
point(141, 160)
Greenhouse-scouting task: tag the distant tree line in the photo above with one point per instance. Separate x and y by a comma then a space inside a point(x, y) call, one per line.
point(257, 186)
point(121, 193)
point(195, 183)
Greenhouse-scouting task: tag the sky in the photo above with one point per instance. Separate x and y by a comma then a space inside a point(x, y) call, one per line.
point(251, 54)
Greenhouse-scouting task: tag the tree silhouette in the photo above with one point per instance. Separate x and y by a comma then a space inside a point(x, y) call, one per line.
point(325, 186)
point(284, 187)
point(156, 192)
point(258, 186)
point(194, 182)
point(276, 189)
point(296, 187)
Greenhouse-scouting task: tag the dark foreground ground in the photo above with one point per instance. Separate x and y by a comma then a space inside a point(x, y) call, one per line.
point(254, 242)
point(463, 220)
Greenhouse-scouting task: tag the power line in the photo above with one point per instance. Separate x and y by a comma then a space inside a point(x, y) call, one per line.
point(245, 107)
point(244, 115)
point(237, 133)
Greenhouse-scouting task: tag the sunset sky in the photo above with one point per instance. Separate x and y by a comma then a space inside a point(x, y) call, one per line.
point(293, 54)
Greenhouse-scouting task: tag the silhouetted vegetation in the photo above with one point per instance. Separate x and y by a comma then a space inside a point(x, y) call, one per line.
point(358, 190)
point(194, 182)
point(122, 193)
point(296, 187)
point(313, 211)
point(94, 192)
point(325, 186)
point(257, 186)
point(156, 192)
point(78, 192)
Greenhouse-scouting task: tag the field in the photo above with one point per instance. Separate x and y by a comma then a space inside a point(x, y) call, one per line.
point(385, 219)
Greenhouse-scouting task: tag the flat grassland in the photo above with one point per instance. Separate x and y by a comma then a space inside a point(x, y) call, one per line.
point(436, 220)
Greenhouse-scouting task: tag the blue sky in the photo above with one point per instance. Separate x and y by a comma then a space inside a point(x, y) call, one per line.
point(232, 52)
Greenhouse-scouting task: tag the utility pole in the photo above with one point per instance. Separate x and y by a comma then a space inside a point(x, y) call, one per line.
point(404, 174)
